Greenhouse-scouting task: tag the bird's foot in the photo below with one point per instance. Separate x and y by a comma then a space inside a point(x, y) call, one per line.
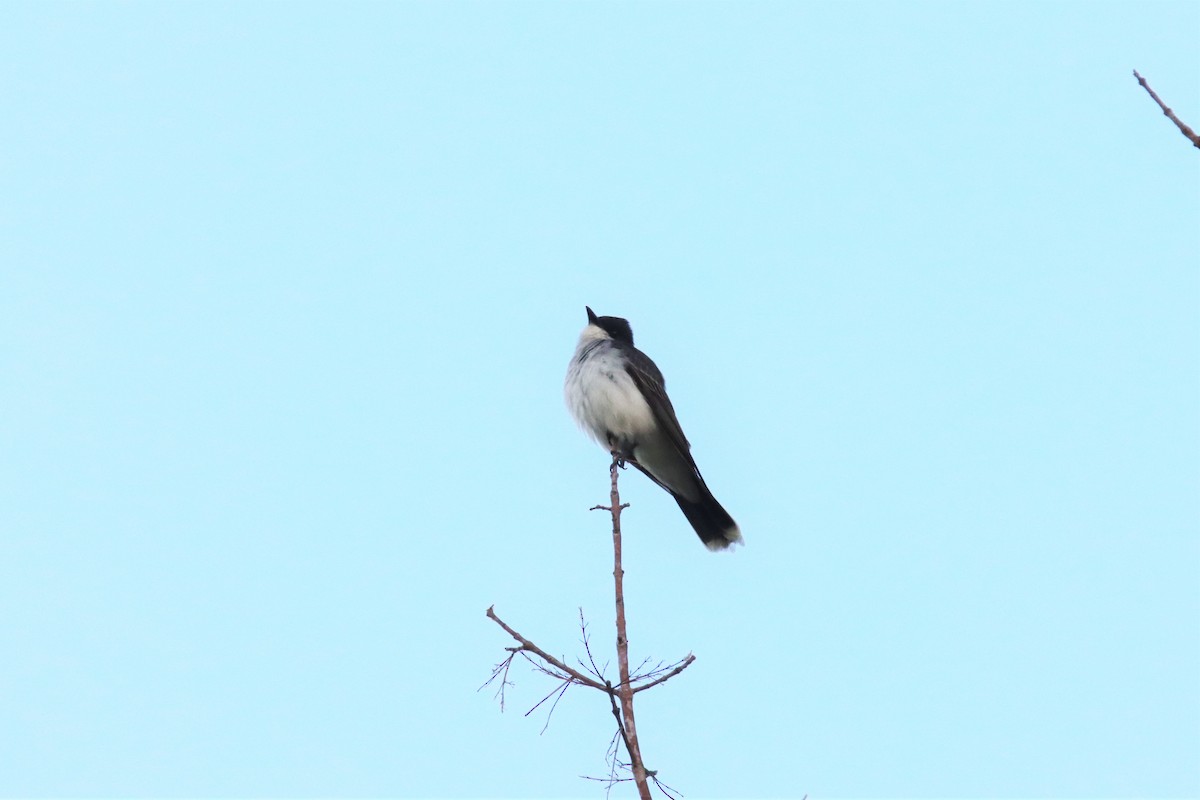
point(619, 458)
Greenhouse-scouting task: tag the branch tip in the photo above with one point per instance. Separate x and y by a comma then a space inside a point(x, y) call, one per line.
point(1192, 136)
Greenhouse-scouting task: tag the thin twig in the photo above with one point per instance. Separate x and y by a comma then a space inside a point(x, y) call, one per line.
point(1183, 128)
point(667, 790)
point(501, 668)
point(587, 648)
point(614, 764)
point(659, 669)
point(664, 678)
point(560, 692)
point(538, 666)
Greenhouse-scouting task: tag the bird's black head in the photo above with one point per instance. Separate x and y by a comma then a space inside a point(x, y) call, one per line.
point(615, 327)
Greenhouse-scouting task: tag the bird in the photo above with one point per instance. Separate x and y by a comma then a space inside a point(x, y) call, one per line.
point(617, 395)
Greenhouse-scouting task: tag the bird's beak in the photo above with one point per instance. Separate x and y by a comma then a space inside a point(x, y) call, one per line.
point(591, 315)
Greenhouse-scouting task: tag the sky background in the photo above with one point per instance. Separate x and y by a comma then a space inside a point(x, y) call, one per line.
point(287, 294)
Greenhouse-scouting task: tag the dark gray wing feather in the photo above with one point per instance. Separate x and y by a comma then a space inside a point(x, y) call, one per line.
point(710, 520)
point(650, 382)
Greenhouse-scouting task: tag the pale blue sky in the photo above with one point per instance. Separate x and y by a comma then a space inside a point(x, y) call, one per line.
point(287, 293)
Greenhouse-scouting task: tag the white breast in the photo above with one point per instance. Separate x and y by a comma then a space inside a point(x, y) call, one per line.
point(601, 395)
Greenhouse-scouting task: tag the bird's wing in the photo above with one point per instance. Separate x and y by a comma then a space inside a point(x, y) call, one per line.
point(650, 382)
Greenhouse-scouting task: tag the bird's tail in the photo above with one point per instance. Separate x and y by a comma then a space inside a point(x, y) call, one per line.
point(712, 522)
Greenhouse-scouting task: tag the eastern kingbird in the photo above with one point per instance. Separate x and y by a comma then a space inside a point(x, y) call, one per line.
point(616, 394)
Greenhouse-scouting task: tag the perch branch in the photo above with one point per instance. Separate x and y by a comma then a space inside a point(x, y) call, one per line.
point(592, 675)
point(624, 689)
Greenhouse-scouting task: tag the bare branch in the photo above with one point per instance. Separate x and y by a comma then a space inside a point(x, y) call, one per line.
point(592, 675)
point(1183, 128)
point(542, 654)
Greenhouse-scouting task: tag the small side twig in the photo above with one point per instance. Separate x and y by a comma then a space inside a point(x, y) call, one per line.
point(501, 671)
point(1183, 128)
point(667, 790)
point(557, 695)
point(587, 648)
